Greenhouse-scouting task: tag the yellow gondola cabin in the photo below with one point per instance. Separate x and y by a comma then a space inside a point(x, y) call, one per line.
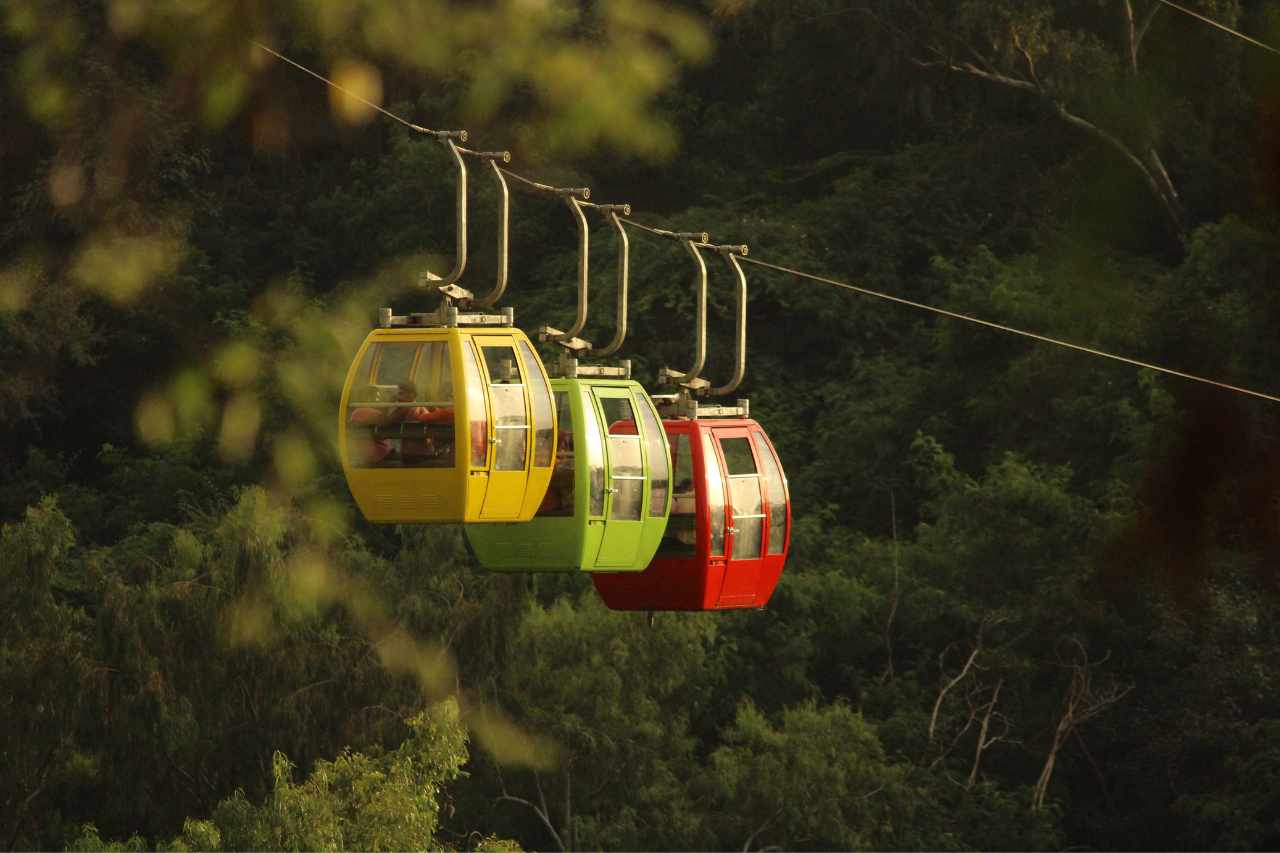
point(442, 424)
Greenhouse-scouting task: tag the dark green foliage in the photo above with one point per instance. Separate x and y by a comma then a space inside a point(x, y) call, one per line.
point(1032, 596)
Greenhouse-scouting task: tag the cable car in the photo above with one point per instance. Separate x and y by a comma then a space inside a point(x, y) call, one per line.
point(726, 540)
point(448, 416)
point(730, 526)
point(610, 493)
point(607, 506)
point(446, 424)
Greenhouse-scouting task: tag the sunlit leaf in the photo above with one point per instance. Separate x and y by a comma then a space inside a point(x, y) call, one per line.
point(16, 288)
point(249, 622)
point(362, 82)
point(225, 94)
point(312, 583)
point(329, 519)
point(236, 364)
point(295, 461)
point(509, 744)
point(192, 398)
point(127, 16)
point(241, 418)
point(154, 420)
point(66, 184)
point(121, 266)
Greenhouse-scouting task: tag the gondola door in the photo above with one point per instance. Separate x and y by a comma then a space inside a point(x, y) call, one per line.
point(625, 490)
point(746, 529)
point(509, 469)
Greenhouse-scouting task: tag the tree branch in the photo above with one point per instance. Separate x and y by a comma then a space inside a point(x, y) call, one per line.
point(1026, 55)
point(1145, 25)
point(983, 741)
point(893, 606)
point(942, 694)
point(1131, 39)
point(1157, 180)
point(540, 812)
point(746, 845)
point(971, 70)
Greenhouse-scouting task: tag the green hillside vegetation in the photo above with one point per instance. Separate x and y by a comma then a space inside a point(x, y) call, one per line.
point(1031, 601)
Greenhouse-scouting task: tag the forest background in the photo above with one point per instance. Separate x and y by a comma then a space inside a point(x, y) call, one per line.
point(1031, 600)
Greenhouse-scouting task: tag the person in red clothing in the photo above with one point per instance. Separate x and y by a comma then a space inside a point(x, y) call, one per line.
point(416, 448)
point(363, 448)
point(425, 450)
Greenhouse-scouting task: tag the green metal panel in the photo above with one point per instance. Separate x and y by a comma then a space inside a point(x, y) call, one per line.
point(588, 539)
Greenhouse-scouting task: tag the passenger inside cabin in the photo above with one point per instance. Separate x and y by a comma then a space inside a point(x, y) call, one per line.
point(364, 449)
point(559, 499)
point(423, 446)
point(681, 535)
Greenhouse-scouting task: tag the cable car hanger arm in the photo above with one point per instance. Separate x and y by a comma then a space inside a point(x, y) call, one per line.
point(624, 274)
point(689, 378)
point(575, 198)
point(504, 220)
point(448, 285)
point(460, 205)
point(730, 254)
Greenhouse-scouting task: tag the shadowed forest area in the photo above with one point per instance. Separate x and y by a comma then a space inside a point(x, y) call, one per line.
point(1032, 596)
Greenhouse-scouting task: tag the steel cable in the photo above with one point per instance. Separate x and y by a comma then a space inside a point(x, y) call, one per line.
point(1010, 329)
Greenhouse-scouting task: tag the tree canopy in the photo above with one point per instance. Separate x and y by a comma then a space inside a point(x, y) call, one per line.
point(1031, 600)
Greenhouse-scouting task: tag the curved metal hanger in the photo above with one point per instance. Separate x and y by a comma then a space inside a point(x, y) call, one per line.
point(731, 255)
point(624, 273)
point(447, 284)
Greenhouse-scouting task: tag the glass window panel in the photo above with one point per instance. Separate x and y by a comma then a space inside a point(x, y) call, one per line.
point(364, 449)
point(559, 499)
point(446, 374)
point(683, 500)
point(737, 456)
point(680, 539)
point(775, 486)
point(362, 389)
point(506, 395)
point(475, 406)
point(501, 364)
point(715, 494)
point(624, 456)
point(419, 425)
point(593, 446)
point(540, 396)
point(510, 428)
point(746, 537)
point(508, 405)
point(396, 363)
point(748, 518)
point(381, 438)
point(510, 452)
point(745, 492)
point(655, 449)
point(617, 412)
point(627, 498)
point(435, 382)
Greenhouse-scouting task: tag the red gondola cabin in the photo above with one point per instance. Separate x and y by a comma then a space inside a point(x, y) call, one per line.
point(730, 526)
